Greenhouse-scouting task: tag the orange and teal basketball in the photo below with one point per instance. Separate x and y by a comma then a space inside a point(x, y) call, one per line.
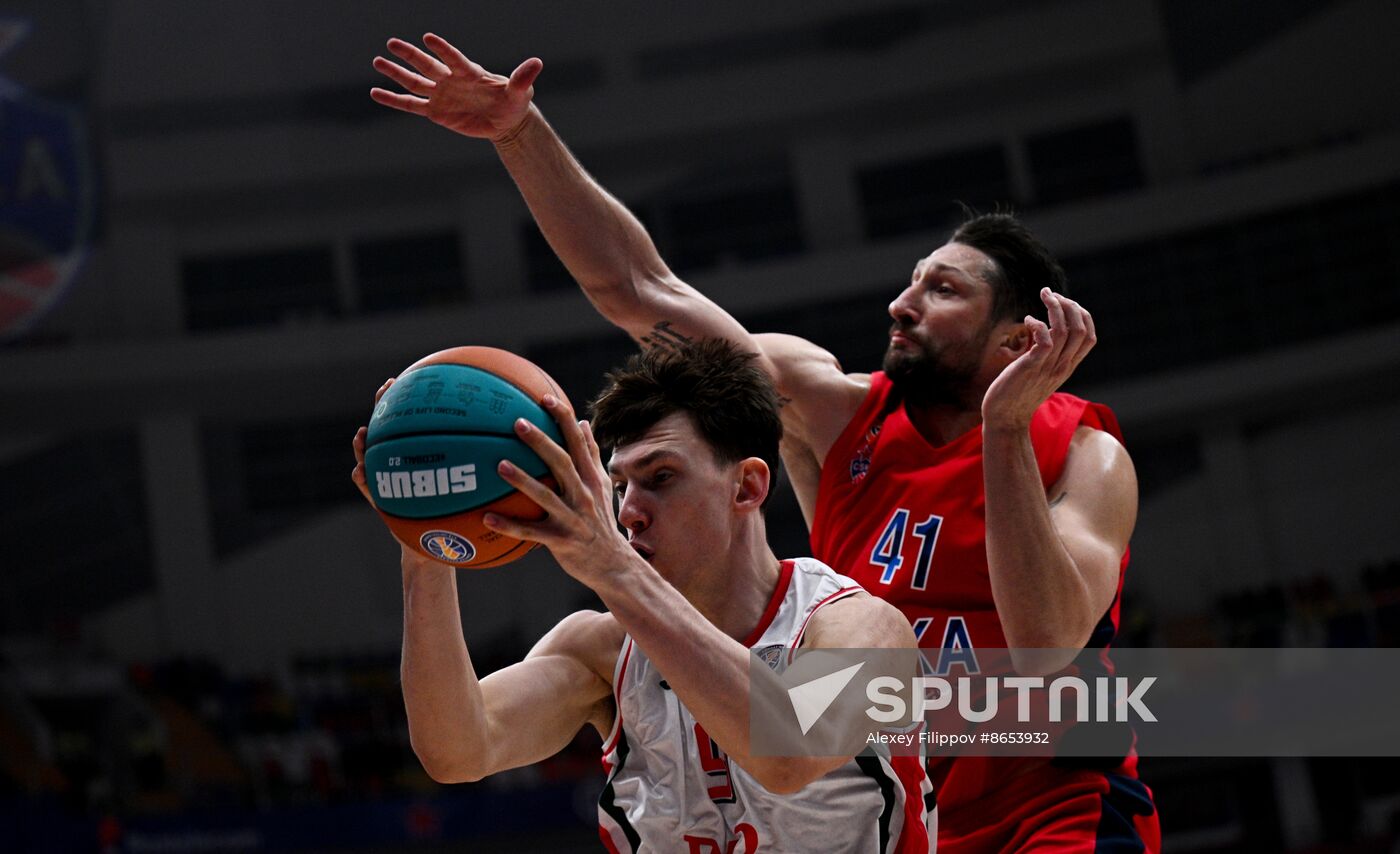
point(434, 441)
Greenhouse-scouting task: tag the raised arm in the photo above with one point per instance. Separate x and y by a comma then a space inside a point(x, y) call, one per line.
point(1053, 556)
point(606, 249)
point(603, 245)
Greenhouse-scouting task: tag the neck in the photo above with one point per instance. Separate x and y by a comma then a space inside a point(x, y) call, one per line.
point(735, 594)
point(941, 423)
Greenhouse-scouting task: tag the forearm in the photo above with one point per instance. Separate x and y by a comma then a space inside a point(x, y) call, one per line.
point(604, 247)
point(707, 669)
point(1041, 596)
point(446, 715)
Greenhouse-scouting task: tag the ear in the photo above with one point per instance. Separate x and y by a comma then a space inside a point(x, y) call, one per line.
point(755, 479)
point(1015, 339)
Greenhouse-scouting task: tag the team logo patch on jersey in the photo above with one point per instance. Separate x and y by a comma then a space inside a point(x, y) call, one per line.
point(447, 546)
point(860, 463)
point(771, 655)
point(46, 198)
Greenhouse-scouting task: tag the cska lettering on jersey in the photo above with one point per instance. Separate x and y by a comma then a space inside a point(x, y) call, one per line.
point(425, 483)
point(956, 648)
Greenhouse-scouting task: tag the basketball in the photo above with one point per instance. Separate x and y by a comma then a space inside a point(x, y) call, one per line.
point(432, 448)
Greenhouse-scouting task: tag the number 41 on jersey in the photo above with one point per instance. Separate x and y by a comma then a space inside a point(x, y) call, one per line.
point(888, 553)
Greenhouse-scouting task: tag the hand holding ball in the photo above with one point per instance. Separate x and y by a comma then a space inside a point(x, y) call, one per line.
point(433, 443)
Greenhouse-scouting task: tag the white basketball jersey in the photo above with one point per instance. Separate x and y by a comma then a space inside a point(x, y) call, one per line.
point(671, 788)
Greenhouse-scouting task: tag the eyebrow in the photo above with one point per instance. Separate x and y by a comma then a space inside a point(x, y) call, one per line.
point(968, 278)
point(644, 460)
point(940, 266)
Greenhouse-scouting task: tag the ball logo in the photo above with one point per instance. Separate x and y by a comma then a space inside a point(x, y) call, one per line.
point(424, 483)
point(447, 546)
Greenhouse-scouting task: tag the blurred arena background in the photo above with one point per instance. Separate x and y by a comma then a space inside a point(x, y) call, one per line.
point(199, 619)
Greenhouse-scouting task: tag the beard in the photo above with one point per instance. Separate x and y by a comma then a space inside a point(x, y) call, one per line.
point(929, 375)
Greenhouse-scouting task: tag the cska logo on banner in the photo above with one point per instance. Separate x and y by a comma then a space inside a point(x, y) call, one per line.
point(46, 198)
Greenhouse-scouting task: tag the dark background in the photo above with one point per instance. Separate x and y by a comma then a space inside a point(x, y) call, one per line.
point(216, 247)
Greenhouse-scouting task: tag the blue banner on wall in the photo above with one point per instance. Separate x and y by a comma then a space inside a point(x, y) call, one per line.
point(47, 197)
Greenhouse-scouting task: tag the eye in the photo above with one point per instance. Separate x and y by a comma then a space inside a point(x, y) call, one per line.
point(660, 477)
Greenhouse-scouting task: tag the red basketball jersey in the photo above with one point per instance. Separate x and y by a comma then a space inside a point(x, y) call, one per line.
point(906, 519)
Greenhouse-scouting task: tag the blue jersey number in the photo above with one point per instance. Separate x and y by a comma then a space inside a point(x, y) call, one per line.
point(890, 544)
point(889, 548)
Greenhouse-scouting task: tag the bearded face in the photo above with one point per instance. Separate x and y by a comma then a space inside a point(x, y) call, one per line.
point(942, 324)
point(928, 372)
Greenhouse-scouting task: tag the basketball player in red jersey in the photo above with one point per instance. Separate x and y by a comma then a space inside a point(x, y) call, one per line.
point(957, 483)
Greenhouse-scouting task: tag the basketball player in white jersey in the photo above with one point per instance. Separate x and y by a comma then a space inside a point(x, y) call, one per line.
point(663, 675)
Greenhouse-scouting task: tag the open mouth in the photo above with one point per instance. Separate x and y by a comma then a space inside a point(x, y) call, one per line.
point(642, 550)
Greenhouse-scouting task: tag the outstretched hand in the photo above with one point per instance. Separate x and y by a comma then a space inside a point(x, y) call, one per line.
point(580, 528)
point(453, 91)
point(1055, 352)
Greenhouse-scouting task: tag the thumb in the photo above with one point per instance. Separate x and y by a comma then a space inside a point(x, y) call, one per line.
point(357, 475)
point(523, 77)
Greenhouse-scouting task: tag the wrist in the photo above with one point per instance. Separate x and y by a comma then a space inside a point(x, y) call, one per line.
point(1005, 428)
point(511, 138)
point(620, 573)
point(415, 563)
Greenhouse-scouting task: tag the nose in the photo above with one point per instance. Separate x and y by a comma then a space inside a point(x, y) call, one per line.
point(631, 513)
point(904, 308)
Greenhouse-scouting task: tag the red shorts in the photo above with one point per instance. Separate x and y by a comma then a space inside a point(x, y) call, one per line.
point(1054, 809)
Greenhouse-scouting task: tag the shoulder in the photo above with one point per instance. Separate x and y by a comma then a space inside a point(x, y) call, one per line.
point(859, 621)
point(1064, 413)
point(590, 637)
point(1091, 439)
point(1097, 454)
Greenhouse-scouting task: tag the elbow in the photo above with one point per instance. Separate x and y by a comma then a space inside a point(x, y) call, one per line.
point(619, 300)
point(1045, 657)
point(782, 784)
point(449, 773)
point(1040, 662)
point(788, 776)
point(632, 297)
point(1043, 649)
point(447, 768)
point(610, 293)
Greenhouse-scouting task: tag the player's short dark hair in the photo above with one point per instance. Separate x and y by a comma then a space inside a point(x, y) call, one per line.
point(730, 399)
point(1021, 263)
